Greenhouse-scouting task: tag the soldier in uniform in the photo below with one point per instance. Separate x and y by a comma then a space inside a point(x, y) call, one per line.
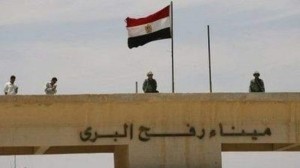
point(256, 84)
point(150, 85)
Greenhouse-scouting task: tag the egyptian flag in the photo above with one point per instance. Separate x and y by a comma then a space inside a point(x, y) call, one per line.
point(154, 27)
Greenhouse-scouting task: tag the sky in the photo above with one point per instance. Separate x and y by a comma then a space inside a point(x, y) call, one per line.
point(229, 160)
point(84, 45)
point(58, 161)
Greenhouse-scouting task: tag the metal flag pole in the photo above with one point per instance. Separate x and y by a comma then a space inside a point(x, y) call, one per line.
point(172, 47)
point(136, 87)
point(209, 61)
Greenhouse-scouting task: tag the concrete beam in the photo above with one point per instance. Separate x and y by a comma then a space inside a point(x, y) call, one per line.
point(288, 147)
point(121, 156)
point(41, 150)
point(17, 150)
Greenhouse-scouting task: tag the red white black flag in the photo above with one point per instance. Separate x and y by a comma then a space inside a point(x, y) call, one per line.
point(153, 27)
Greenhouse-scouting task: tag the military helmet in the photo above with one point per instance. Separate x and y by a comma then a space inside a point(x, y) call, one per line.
point(256, 73)
point(149, 73)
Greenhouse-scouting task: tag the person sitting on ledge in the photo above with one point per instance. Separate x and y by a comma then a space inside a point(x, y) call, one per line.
point(150, 85)
point(10, 87)
point(51, 87)
point(256, 84)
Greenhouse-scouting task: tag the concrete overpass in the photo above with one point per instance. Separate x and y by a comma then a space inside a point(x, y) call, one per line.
point(151, 130)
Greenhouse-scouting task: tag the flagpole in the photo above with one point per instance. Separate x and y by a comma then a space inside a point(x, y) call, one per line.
point(172, 47)
point(209, 61)
point(136, 87)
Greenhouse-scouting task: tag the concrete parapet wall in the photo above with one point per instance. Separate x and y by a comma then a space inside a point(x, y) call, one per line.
point(151, 130)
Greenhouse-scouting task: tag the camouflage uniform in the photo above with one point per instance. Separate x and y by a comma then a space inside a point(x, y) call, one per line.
point(257, 85)
point(149, 86)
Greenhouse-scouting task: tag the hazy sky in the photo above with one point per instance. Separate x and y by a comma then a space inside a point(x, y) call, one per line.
point(84, 44)
point(229, 160)
point(260, 159)
point(58, 161)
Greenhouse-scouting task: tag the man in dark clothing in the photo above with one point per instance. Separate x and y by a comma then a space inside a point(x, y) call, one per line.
point(256, 84)
point(150, 85)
